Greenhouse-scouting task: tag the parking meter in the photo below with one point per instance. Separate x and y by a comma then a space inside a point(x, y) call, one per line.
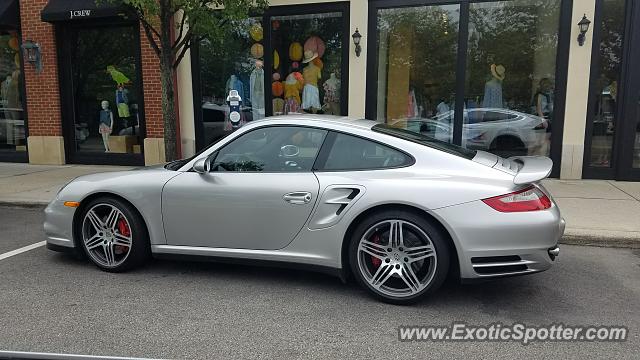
point(234, 101)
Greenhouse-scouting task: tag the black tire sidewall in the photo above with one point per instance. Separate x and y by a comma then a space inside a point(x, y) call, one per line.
point(139, 241)
point(436, 236)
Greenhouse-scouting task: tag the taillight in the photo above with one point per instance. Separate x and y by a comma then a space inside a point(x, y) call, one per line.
point(529, 199)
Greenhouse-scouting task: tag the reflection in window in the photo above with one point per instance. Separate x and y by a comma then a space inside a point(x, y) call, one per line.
point(605, 89)
point(12, 125)
point(307, 63)
point(232, 62)
point(273, 149)
point(511, 65)
point(105, 90)
point(417, 51)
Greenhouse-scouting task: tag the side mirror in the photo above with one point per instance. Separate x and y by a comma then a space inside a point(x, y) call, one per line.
point(201, 166)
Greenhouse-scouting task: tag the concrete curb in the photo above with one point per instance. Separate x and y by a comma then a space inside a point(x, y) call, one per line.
point(24, 204)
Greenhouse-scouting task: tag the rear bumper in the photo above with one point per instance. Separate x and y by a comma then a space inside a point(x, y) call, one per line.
point(492, 244)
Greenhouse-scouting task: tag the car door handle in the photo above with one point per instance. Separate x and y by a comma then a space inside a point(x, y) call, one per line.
point(297, 197)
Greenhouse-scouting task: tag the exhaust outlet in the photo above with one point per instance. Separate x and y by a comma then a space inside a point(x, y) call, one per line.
point(554, 252)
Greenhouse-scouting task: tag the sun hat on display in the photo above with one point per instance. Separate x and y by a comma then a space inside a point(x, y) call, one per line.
point(309, 55)
point(295, 51)
point(315, 44)
point(498, 71)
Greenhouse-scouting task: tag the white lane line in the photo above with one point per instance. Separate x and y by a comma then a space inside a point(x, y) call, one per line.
point(22, 249)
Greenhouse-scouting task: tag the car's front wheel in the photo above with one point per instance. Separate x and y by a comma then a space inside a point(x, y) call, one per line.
point(399, 256)
point(113, 235)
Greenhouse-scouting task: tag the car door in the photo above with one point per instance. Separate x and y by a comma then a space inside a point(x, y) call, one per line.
point(258, 194)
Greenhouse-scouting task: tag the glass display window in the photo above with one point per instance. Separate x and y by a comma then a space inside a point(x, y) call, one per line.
point(13, 136)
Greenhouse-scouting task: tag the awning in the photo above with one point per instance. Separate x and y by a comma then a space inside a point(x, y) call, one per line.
point(9, 15)
point(71, 10)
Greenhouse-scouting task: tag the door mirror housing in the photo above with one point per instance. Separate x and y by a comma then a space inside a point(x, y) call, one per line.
point(201, 166)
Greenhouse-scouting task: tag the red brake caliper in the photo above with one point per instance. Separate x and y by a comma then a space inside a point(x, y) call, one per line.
point(124, 230)
point(374, 260)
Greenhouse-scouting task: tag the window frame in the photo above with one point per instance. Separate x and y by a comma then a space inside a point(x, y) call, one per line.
point(565, 26)
point(329, 141)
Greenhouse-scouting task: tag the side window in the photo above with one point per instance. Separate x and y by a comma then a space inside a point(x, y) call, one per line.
point(271, 149)
point(354, 153)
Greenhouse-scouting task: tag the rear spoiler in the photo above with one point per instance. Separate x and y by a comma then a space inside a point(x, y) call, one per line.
point(531, 168)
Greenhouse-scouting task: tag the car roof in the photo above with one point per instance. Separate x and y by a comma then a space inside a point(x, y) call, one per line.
point(329, 121)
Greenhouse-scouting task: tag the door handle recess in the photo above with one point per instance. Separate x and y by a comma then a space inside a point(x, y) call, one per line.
point(297, 197)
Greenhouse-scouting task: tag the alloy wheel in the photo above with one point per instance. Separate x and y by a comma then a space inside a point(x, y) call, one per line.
point(106, 235)
point(397, 258)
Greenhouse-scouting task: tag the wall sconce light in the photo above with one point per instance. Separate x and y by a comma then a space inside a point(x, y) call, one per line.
point(32, 53)
point(584, 27)
point(356, 41)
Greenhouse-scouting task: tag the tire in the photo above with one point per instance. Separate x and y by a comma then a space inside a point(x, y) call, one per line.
point(424, 250)
point(104, 229)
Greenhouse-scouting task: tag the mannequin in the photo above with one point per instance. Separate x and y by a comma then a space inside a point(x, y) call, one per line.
point(310, 92)
point(292, 89)
point(332, 95)
point(234, 83)
point(122, 102)
point(106, 124)
point(256, 90)
point(493, 88)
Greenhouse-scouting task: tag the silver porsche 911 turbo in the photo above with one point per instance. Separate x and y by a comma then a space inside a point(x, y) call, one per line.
point(396, 210)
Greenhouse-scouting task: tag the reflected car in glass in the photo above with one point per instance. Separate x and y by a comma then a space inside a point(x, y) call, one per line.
point(396, 210)
point(501, 131)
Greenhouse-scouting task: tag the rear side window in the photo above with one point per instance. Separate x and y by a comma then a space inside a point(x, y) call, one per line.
point(354, 153)
point(425, 140)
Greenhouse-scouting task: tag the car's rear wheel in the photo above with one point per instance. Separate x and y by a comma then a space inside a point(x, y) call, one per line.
point(113, 235)
point(399, 256)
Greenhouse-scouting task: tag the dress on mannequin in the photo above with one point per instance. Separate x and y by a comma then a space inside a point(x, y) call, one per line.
point(332, 95)
point(292, 89)
point(310, 92)
point(256, 91)
point(493, 88)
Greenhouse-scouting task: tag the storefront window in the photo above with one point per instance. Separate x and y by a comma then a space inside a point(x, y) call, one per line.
point(307, 63)
point(510, 76)
point(12, 121)
point(106, 90)
point(605, 107)
point(416, 68)
point(234, 62)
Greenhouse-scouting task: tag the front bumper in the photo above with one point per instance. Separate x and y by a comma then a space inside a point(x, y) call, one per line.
point(58, 225)
point(493, 244)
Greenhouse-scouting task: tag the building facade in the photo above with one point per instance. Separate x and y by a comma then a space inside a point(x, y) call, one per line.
point(514, 77)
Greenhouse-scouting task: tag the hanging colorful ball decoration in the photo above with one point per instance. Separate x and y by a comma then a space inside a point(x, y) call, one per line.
point(315, 44)
point(256, 32)
point(257, 51)
point(295, 51)
point(13, 43)
point(276, 60)
point(276, 76)
point(277, 88)
point(295, 65)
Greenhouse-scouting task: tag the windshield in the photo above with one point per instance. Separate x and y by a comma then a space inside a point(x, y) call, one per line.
point(177, 164)
point(425, 140)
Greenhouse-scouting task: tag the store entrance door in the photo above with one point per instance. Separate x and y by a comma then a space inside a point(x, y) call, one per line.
point(612, 143)
point(101, 92)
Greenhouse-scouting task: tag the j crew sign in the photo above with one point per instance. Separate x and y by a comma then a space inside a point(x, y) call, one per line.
point(79, 13)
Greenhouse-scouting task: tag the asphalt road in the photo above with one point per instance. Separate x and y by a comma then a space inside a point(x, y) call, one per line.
point(51, 302)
